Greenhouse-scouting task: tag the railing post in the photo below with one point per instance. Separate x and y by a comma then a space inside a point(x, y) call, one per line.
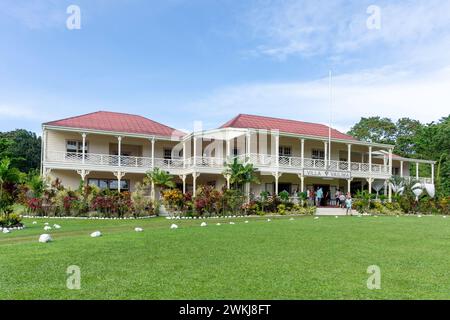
point(153, 152)
point(184, 156)
point(83, 135)
point(325, 144)
point(119, 149)
point(370, 162)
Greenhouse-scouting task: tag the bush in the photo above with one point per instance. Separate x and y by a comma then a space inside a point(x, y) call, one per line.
point(281, 209)
point(10, 221)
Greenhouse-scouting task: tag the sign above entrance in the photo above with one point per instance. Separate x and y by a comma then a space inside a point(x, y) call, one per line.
point(327, 174)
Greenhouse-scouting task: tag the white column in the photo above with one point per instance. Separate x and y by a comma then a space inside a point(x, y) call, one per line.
point(227, 177)
point(276, 183)
point(83, 135)
point(153, 152)
point(370, 161)
point(349, 156)
point(184, 155)
point(417, 171)
point(195, 151)
point(228, 149)
point(390, 162)
point(277, 150)
point(390, 192)
point(119, 175)
point(325, 144)
point(302, 183)
point(370, 180)
point(183, 178)
point(302, 152)
point(432, 173)
point(153, 193)
point(195, 175)
point(401, 169)
point(119, 150)
point(349, 182)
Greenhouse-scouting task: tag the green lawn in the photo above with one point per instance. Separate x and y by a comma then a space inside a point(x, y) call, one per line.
point(301, 259)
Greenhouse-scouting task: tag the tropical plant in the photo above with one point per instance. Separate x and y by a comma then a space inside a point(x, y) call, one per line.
point(160, 178)
point(240, 173)
point(36, 184)
point(9, 180)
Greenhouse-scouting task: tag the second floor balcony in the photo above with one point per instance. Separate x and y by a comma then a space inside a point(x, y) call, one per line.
point(260, 161)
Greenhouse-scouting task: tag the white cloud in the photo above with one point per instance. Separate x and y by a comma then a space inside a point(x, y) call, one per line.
point(386, 92)
point(35, 14)
point(337, 26)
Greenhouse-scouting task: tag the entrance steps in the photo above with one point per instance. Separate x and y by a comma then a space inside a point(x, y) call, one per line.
point(330, 211)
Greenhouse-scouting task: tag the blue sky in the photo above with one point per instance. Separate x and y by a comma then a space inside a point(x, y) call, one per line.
point(179, 61)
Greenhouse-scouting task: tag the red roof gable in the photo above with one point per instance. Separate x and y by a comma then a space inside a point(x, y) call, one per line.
point(117, 122)
point(284, 125)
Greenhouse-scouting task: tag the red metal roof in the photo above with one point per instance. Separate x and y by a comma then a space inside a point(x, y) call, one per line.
point(117, 122)
point(284, 125)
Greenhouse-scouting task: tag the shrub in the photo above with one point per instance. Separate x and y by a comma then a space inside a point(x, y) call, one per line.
point(281, 209)
point(10, 221)
point(284, 196)
point(208, 200)
point(173, 199)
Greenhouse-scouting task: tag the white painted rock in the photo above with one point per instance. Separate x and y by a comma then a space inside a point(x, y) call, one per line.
point(219, 224)
point(231, 222)
point(6, 230)
point(291, 219)
point(419, 216)
point(168, 218)
point(44, 238)
point(173, 226)
point(96, 234)
point(203, 224)
point(268, 220)
point(34, 222)
point(46, 223)
point(56, 226)
point(46, 228)
point(316, 218)
point(246, 221)
point(138, 229)
point(336, 217)
point(445, 217)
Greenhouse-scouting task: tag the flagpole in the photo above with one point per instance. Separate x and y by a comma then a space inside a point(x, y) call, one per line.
point(331, 115)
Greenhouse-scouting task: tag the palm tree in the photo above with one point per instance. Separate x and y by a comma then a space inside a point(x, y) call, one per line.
point(8, 176)
point(240, 173)
point(159, 178)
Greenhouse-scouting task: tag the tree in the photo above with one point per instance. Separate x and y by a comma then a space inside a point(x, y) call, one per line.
point(9, 178)
point(160, 178)
point(240, 174)
point(406, 131)
point(374, 129)
point(23, 148)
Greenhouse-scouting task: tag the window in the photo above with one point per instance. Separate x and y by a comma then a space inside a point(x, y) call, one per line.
point(76, 146)
point(318, 154)
point(110, 184)
point(167, 154)
point(235, 151)
point(285, 151)
point(396, 171)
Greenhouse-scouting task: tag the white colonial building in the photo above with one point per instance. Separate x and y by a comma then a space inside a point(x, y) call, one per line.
point(114, 150)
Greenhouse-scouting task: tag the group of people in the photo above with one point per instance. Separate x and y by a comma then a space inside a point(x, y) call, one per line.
point(317, 197)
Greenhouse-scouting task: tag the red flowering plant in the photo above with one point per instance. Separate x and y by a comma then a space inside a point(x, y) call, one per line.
point(208, 200)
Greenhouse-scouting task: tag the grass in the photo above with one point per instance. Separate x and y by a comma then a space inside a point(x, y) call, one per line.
point(301, 259)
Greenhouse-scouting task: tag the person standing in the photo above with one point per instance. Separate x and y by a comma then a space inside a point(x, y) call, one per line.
point(336, 197)
point(319, 196)
point(348, 204)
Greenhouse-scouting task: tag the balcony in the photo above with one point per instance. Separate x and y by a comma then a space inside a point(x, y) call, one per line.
point(260, 161)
